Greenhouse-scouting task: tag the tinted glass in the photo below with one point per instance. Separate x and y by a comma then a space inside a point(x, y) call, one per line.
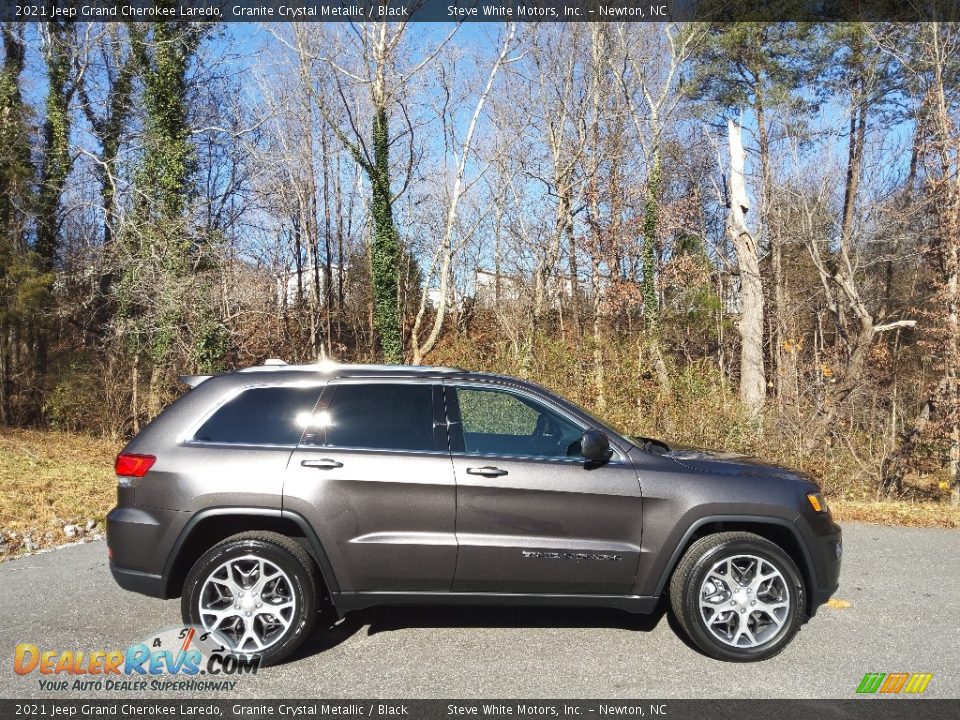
point(495, 422)
point(379, 416)
point(262, 416)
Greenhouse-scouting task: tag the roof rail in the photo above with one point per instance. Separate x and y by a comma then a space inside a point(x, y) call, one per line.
point(330, 366)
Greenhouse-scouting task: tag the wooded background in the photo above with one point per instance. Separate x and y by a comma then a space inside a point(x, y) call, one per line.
point(738, 236)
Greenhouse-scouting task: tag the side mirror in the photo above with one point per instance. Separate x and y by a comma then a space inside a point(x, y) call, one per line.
point(595, 446)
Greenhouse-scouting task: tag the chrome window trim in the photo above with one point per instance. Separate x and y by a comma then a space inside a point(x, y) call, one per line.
point(395, 451)
point(558, 459)
point(215, 443)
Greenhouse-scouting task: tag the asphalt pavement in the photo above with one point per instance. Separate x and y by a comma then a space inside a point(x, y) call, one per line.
point(902, 586)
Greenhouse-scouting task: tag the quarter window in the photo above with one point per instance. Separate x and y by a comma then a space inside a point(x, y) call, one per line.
point(496, 422)
point(376, 416)
point(261, 416)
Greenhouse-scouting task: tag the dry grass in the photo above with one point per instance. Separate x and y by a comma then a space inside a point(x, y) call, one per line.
point(48, 480)
point(897, 512)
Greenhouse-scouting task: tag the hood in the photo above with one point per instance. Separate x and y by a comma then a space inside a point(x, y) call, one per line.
point(730, 463)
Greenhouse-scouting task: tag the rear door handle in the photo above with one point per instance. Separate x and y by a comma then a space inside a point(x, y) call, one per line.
point(322, 464)
point(486, 471)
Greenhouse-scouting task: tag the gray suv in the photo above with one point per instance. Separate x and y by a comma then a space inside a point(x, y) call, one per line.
point(266, 496)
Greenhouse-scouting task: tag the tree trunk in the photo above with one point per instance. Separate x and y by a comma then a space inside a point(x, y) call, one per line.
point(566, 221)
point(648, 250)
point(385, 263)
point(135, 393)
point(328, 247)
point(777, 312)
point(55, 168)
point(952, 354)
point(753, 386)
point(4, 374)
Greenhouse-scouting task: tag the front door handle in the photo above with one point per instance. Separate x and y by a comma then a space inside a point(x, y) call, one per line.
point(322, 464)
point(486, 471)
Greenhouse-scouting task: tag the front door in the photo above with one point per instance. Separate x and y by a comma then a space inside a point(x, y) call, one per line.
point(373, 476)
point(532, 515)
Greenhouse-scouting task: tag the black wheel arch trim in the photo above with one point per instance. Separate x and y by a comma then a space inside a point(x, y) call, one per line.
point(809, 570)
point(317, 551)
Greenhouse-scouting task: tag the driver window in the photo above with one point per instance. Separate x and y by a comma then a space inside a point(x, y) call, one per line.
point(495, 422)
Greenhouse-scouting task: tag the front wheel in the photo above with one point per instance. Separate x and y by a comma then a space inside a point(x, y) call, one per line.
point(738, 596)
point(257, 590)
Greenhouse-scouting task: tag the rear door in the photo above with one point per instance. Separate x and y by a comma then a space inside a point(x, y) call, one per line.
point(532, 515)
point(373, 476)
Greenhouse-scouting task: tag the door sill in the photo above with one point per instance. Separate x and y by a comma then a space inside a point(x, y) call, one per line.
point(345, 602)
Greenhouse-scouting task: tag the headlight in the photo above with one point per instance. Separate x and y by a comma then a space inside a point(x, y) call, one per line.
point(817, 502)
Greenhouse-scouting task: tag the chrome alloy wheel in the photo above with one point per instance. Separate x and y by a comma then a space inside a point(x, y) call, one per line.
point(250, 601)
point(744, 601)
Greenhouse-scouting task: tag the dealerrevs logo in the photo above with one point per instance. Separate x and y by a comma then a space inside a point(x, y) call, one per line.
point(171, 660)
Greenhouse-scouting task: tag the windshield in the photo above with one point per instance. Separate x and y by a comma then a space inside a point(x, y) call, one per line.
point(652, 445)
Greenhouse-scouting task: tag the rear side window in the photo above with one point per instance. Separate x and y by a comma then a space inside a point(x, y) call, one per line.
point(376, 416)
point(262, 416)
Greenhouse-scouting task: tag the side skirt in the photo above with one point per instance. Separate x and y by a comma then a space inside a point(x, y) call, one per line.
point(345, 602)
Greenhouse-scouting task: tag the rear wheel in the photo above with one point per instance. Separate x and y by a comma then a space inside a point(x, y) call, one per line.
point(258, 590)
point(738, 596)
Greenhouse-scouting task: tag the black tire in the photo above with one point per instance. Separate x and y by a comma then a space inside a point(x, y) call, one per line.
point(287, 555)
point(691, 572)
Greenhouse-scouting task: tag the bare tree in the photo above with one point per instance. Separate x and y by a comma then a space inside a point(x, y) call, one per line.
point(753, 385)
point(460, 188)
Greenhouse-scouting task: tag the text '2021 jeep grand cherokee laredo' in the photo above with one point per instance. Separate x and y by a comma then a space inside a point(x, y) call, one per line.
point(265, 494)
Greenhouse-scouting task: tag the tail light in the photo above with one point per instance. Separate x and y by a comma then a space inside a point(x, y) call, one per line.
point(130, 465)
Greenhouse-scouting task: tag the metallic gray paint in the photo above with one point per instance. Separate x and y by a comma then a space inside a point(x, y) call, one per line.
point(395, 527)
point(545, 505)
point(379, 516)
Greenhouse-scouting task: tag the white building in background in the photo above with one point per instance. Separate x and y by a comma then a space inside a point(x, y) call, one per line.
point(514, 287)
point(454, 299)
point(288, 284)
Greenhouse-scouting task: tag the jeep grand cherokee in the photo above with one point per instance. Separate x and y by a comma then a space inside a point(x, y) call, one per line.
point(266, 495)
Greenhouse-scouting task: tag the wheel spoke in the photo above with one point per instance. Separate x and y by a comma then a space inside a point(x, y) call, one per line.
point(744, 632)
point(771, 611)
point(720, 617)
point(761, 577)
point(249, 635)
point(274, 611)
point(227, 583)
point(219, 615)
point(715, 577)
point(731, 573)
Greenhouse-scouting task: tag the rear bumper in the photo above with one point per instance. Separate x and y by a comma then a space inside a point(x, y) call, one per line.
point(138, 582)
point(140, 540)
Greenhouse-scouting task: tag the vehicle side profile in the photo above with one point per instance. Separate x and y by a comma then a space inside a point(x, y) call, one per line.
point(265, 496)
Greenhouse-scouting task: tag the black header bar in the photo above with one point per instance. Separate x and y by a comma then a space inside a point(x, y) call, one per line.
point(480, 10)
